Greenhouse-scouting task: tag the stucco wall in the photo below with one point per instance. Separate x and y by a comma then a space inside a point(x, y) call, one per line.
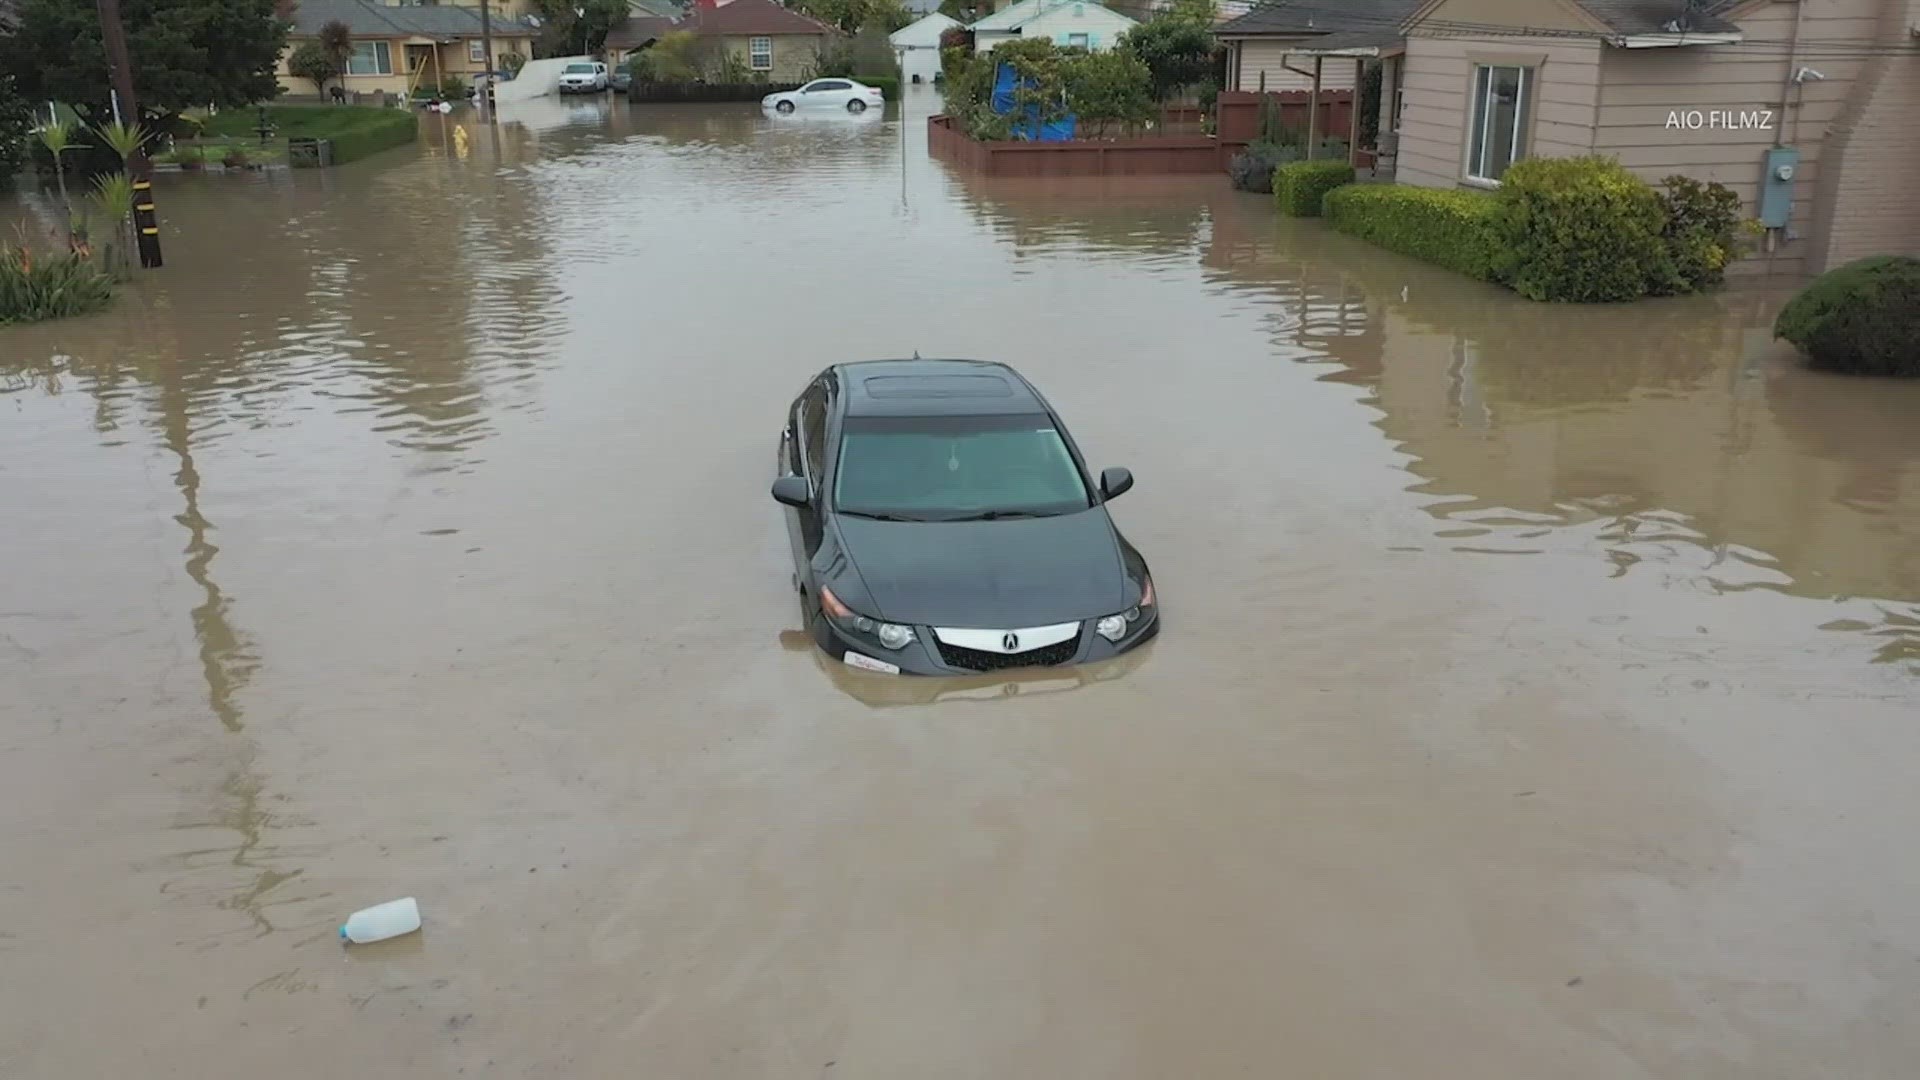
point(452, 57)
point(1439, 84)
point(1267, 57)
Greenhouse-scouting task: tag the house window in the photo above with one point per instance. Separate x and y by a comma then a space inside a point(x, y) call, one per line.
point(1498, 138)
point(1076, 41)
point(370, 58)
point(760, 53)
point(476, 51)
point(1399, 104)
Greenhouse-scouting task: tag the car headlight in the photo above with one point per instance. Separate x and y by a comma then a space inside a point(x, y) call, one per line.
point(890, 635)
point(1115, 627)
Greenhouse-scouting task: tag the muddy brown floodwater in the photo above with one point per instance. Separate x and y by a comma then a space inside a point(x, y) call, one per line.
point(1538, 696)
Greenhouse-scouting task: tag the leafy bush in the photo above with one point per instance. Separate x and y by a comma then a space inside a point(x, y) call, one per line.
point(16, 123)
point(453, 88)
point(1704, 232)
point(1862, 318)
point(1177, 52)
point(1107, 88)
point(888, 85)
point(1299, 187)
point(1252, 168)
point(1580, 229)
point(313, 63)
point(56, 287)
point(1454, 229)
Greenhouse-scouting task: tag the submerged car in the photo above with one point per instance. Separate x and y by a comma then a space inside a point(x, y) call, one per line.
point(944, 523)
point(844, 94)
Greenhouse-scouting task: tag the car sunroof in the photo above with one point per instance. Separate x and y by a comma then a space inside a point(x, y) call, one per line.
point(920, 386)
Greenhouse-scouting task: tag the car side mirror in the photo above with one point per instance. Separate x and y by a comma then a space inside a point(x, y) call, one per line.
point(793, 491)
point(1115, 482)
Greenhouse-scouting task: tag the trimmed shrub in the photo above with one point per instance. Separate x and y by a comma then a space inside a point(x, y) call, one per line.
point(1252, 168)
point(1580, 229)
point(1862, 318)
point(1299, 187)
point(1449, 228)
point(888, 85)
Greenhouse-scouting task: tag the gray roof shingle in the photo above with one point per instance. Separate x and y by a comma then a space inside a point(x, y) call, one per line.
point(383, 20)
point(1320, 17)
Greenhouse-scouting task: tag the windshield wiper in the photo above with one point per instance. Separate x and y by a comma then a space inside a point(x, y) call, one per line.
point(874, 516)
point(998, 515)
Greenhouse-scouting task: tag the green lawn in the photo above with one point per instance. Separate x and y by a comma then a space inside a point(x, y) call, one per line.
point(354, 130)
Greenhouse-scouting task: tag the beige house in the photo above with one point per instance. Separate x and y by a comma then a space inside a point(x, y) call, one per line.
point(398, 49)
point(773, 42)
point(1806, 108)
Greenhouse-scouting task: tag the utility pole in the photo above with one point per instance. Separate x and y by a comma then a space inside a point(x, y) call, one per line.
point(146, 222)
point(486, 44)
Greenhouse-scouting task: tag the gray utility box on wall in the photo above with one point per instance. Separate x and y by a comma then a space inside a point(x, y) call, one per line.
point(1776, 187)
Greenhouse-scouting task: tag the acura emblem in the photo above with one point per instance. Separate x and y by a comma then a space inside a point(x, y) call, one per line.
point(1010, 642)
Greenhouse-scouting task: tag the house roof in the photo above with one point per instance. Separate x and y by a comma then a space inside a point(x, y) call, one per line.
point(1374, 42)
point(1319, 17)
point(665, 9)
point(1012, 18)
point(384, 21)
point(923, 31)
point(758, 18)
point(1661, 16)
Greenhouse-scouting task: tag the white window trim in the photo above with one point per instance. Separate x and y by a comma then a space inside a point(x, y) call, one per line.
point(1483, 121)
point(1085, 42)
point(379, 47)
point(755, 54)
point(476, 51)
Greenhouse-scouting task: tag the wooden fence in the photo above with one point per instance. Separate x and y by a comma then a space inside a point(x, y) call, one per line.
point(1238, 113)
point(1153, 156)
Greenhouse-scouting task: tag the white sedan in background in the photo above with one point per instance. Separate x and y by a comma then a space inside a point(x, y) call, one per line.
point(843, 94)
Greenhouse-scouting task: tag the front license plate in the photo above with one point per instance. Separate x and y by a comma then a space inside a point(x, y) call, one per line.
point(868, 663)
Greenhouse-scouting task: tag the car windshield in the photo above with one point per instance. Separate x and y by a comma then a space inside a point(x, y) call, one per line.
point(579, 69)
point(947, 468)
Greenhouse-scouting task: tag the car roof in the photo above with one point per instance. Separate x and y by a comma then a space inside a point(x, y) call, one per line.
point(936, 388)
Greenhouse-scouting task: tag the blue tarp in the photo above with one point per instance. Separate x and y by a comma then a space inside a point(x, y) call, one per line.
point(1029, 126)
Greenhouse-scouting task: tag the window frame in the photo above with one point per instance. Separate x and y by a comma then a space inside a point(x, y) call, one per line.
point(1480, 110)
point(382, 58)
point(1085, 42)
point(755, 53)
point(476, 51)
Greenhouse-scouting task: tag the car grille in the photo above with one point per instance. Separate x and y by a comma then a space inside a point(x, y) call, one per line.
point(980, 660)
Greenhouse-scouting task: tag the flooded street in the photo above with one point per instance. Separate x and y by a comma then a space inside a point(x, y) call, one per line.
point(1537, 698)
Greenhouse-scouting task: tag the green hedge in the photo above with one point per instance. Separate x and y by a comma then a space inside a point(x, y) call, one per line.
point(355, 130)
point(1582, 229)
point(1454, 229)
point(1862, 319)
point(888, 85)
point(1298, 187)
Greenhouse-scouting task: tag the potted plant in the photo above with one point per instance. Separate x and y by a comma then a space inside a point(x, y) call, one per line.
point(236, 157)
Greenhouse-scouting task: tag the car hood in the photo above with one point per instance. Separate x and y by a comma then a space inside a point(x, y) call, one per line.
point(992, 574)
